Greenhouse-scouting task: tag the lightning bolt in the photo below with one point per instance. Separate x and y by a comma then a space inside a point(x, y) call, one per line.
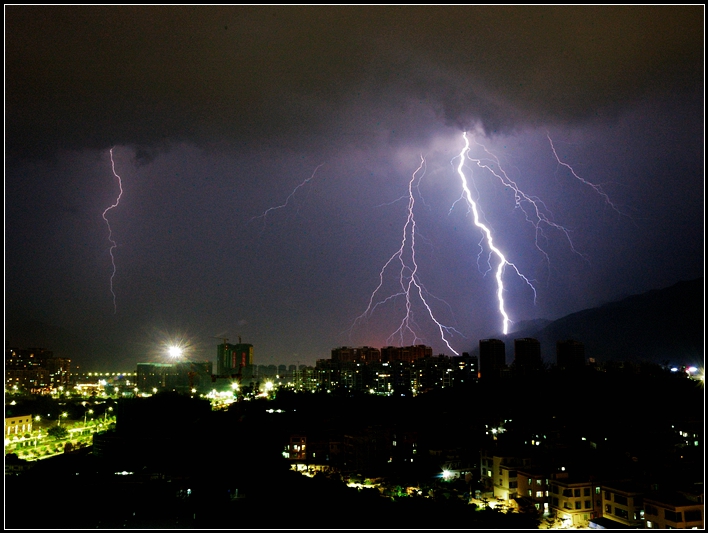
point(290, 196)
point(408, 280)
point(535, 211)
point(595, 187)
point(487, 233)
point(110, 232)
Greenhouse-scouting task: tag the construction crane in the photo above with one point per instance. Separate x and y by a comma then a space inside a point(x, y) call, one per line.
point(191, 374)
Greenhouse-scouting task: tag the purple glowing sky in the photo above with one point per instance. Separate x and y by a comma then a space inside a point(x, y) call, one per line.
point(219, 115)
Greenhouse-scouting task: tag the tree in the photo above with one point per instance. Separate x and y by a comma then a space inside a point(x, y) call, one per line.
point(58, 432)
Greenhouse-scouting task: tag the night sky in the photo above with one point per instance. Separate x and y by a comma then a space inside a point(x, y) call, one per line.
point(266, 156)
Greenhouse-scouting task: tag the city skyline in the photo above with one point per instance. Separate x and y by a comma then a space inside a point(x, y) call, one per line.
point(183, 174)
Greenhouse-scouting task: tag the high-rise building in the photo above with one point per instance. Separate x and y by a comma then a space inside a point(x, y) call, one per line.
point(35, 370)
point(406, 354)
point(570, 354)
point(364, 354)
point(231, 359)
point(527, 355)
point(492, 358)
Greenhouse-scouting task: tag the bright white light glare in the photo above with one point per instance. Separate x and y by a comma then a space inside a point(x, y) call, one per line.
point(175, 351)
point(692, 369)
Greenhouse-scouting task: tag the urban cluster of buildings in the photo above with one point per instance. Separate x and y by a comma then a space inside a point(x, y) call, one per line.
point(35, 370)
point(582, 499)
point(404, 369)
point(528, 472)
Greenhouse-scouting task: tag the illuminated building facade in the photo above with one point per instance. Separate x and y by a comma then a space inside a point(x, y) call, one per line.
point(571, 500)
point(533, 488)
point(674, 510)
point(17, 425)
point(622, 502)
point(35, 370)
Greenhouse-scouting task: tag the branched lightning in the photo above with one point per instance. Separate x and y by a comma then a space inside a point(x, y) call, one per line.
point(503, 261)
point(597, 188)
point(408, 279)
point(534, 210)
point(290, 196)
point(110, 232)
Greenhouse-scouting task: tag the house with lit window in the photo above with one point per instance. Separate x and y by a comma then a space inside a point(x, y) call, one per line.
point(297, 448)
point(622, 502)
point(532, 489)
point(571, 499)
point(499, 474)
point(17, 425)
point(674, 510)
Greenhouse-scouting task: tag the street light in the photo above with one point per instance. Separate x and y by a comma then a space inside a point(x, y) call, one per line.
point(59, 418)
point(86, 413)
point(105, 414)
point(175, 351)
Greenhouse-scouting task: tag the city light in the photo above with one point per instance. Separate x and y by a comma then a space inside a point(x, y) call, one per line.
point(175, 351)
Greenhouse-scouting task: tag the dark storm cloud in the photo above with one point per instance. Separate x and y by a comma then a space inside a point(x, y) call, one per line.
point(95, 76)
point(218, 113)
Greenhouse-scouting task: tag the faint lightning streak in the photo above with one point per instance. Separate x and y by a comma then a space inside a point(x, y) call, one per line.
point(597, 188)
point(265, 213)
point(110, 232)
point(408, 278)
point(539, 217)
point(503, 261)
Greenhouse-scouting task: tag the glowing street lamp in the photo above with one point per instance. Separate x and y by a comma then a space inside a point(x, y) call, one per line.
point(60, 417)
point(105, 414)
point(89, 412)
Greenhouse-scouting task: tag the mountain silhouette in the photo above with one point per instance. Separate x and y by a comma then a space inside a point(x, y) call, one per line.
point(663, 326)
point(659, 326)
